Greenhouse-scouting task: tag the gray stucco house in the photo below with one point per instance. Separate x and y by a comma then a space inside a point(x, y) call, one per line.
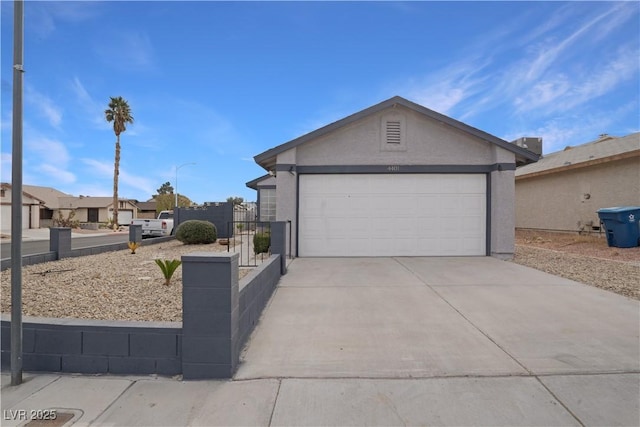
point(395, 179)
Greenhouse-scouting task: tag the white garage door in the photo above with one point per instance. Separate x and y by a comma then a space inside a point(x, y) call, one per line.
point(392, 215)
point(5, 217)
point(125, 217)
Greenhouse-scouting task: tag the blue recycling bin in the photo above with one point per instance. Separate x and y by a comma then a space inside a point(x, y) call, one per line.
point(622, 225)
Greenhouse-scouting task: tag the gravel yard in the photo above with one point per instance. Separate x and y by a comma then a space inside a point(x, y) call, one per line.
point(110, 286)
point(121, 286)
point(585, 259)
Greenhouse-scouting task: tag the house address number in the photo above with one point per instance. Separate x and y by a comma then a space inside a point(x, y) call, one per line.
point(393, 168)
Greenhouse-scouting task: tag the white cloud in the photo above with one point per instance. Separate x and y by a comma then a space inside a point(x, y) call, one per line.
point(43, 16)
point(561, 93)
point(620, 69)
point(104, 169)
point(573, 130)
point(551, 50)
point(48, 156)
point(94, 109)
point(446, 89)
point(5, 167)
point(58, 174)
point(128, 50)
point(47, 149)
point(555, 67)
point(44, 105)
point(6, 123)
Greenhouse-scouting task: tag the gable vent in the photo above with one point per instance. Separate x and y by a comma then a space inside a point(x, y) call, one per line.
point(393, 132)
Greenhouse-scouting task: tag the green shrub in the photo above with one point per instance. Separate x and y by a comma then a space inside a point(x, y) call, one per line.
point(261, 242)
point(196, 232)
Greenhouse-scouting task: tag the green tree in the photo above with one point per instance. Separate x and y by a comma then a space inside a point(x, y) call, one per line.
point(165, 188)
point(164, 202)
point(235, 200)
point(119, 113)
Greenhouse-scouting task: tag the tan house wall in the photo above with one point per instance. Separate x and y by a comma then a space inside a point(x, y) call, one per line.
point(559, 201)
point(30, 211)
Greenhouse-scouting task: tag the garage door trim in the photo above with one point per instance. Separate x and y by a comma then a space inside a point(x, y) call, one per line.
point(410, 169)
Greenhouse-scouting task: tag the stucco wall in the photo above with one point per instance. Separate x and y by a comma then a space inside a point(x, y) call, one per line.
point(30, 211)
point(426, 142)
point(557, 201)
point(286, 193)
point(502, 214)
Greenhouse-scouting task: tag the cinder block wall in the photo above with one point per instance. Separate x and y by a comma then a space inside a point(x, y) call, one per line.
point(257, 288)
point(220, 216)
point(219, 314)
point(86, 346)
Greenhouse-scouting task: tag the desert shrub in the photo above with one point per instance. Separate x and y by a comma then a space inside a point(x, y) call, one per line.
point(168, 267)
point(196, 232)
point(69, 221)
point(261, 242)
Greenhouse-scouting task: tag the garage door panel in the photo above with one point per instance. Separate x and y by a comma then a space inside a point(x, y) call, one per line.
point(392, 215)
point(5, 212)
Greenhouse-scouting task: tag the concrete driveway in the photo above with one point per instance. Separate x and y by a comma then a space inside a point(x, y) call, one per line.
point(445, 341)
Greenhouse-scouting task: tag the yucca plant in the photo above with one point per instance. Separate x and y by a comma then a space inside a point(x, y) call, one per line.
point(133, 246)
point(168, 267)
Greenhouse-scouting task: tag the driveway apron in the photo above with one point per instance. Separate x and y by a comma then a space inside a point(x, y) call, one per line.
point(366, 317)
point(477, 340)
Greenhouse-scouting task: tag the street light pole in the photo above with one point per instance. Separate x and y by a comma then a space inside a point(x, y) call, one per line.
point(177, 168)
point(16, 195)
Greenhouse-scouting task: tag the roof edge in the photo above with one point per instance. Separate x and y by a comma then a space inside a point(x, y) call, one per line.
point(253, 184)
point(262, 158)
point(587, 163)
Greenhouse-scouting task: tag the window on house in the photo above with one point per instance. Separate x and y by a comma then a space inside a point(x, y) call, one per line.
point(2, 193)
point(267, 204)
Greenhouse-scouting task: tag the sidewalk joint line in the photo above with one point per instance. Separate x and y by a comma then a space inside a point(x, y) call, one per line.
point(467, 319)
point(113, 401)
point(275, 402)
point(559, 401)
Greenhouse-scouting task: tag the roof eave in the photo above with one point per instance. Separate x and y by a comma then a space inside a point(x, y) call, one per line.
point(253, 184)
point(268, 158)
point(579, 165)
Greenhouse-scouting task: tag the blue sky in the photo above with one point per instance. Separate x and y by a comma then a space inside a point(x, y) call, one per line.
point(216, 83)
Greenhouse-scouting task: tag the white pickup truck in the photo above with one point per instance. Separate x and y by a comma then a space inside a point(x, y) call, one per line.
point(162, 226)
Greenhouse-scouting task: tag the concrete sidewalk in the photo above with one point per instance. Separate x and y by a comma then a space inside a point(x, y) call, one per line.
point(384, 341)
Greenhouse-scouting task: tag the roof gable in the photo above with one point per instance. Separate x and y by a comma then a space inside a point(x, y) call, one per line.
point(24, 193)
point(267, 159)
point(49, 195)
point(253, 184)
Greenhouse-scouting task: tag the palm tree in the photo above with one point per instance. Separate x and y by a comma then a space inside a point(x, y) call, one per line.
point(120, 114)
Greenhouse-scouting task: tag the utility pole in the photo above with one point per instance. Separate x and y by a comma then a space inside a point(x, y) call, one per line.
point(16, 196)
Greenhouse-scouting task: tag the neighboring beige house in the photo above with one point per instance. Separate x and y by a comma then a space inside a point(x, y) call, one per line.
point(395, 179)
point(88, 209)
point(98, 209)
point(564, 190)
point(50, 196)
point(147, 210)
point(30, 209)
